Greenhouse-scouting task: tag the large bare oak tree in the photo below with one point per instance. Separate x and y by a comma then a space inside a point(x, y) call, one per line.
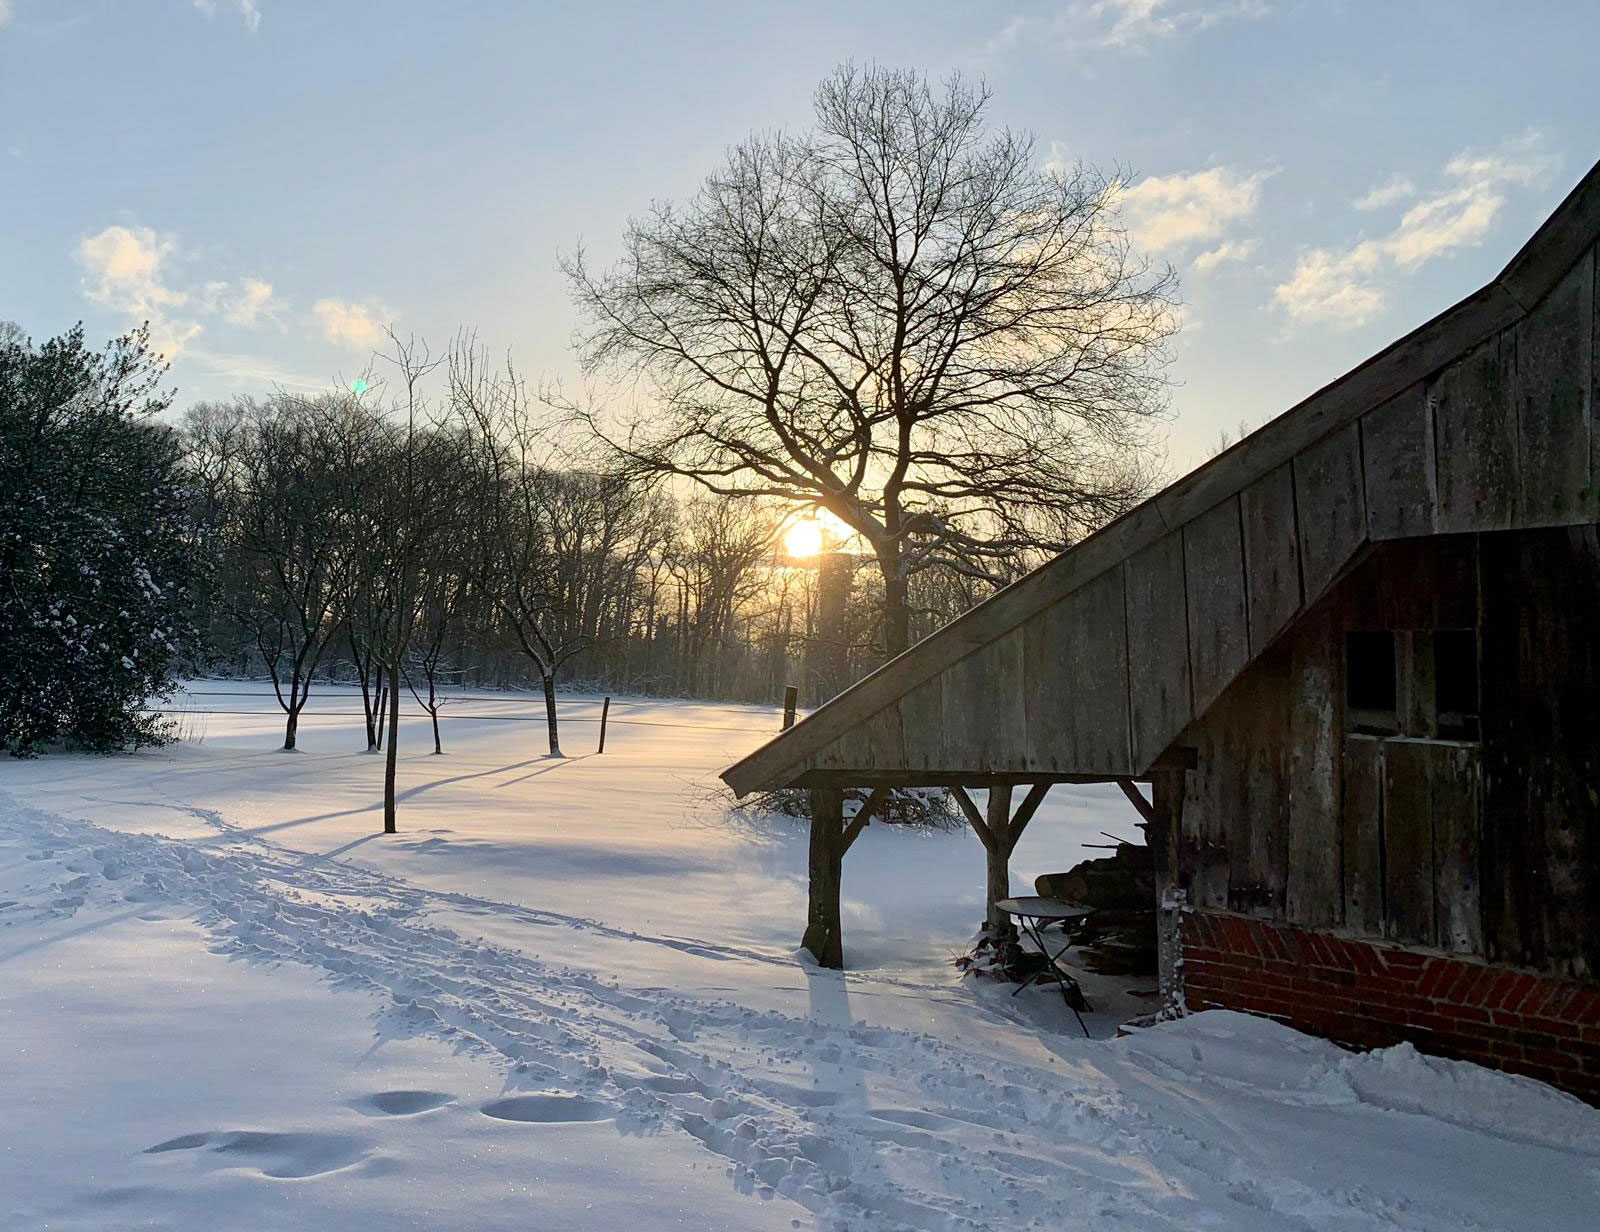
point(900, 317)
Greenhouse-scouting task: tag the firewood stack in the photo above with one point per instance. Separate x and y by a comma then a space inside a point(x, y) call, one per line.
point(1118, 935)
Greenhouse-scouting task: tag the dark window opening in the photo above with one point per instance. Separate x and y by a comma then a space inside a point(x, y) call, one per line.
point(1455, 683)
point(1370, 685)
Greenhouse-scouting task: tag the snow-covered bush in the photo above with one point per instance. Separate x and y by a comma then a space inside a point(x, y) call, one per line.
point(94, 563)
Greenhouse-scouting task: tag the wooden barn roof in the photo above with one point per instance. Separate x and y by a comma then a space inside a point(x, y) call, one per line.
point(1093, 664)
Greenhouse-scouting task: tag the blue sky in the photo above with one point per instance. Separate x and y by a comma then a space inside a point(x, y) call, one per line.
point(270, 180)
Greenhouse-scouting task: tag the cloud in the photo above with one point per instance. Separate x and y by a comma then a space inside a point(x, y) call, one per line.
point(5, 11)
point(251, 369)
point(346, 322)
point(252, 300)
point(1177, 213)
point(123, 270)
point(1124, 24)
point(128, 269)
point(1345, 287)
point(123, 265)
point(1058, 161)
point(1395, 189)
point(1230, 250)
point(246, 9)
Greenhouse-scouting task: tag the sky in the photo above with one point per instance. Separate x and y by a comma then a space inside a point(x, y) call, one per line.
point(270, 182)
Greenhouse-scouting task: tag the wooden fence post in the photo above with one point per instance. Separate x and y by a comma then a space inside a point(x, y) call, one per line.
point(791, 697)
point(605, 713)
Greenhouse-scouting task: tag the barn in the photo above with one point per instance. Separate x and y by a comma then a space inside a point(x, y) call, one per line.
point(1348, 673)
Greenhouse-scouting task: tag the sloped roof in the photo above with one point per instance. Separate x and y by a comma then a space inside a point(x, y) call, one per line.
point(1094, 663)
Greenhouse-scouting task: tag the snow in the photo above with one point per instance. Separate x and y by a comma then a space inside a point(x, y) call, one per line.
point(566, 995)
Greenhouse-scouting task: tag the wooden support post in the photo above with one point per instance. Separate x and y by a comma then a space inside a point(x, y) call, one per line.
point(605, 713)
point(824, 935)
point(998, 820)
point(1162, 833)
point(999, 832)
point(791, 698)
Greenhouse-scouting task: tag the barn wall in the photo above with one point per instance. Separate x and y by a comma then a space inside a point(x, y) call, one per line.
point(1483, 852)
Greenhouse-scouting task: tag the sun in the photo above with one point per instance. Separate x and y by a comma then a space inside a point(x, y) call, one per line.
point(804, 538)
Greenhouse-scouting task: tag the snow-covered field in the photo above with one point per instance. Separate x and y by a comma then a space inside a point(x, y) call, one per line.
point(566, 996)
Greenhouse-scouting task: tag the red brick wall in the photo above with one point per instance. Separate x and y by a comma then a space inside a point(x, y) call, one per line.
point(1371, 995)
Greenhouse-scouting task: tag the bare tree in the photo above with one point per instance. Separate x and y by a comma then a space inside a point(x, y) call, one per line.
point(899, 317)
point(420, 498)
point(442, 590)
point(512, 561)
point(290, 543)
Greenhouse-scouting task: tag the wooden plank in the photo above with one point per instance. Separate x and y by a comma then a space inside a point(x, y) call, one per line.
point(983, 727)
point(1271, 556)
point(1107, 548)
point(1456, 854)
point(1408, 842)
point(1076, 661)
point(1313, 877)
point(1475, 440)
point(886, 744)
point(1203, 856)
point(1213, 569)
point(1426, 583)
point(1256, 715)
point(1563, 237)
point(1330, 501)
point(1362, 835)
point(1540, 674)
point(1554, 412)
point(922, 721)
point(849, 748)
point(1158, 647)
point(1397, 466)
point(1423, 351)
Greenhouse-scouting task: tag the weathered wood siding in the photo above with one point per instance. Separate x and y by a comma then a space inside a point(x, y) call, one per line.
point(1151, 627)
point(1487, 847)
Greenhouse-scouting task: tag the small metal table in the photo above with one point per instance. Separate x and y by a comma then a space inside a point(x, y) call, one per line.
point(1033, 913)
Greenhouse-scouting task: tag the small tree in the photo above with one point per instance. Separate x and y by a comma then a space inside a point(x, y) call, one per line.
point(899, 317)
point(291, 552)
point(94, 563)
point(512, 562)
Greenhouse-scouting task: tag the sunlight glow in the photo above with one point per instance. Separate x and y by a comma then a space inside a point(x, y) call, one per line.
point(804, 538)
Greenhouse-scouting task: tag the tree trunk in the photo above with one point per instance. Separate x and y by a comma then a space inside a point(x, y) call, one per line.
point(550, 713)
point(394, 748)
point(382, 709)
point(292, 724)
point(364, 674)
point(437, 747)
point(896, 612)
point(824, 935)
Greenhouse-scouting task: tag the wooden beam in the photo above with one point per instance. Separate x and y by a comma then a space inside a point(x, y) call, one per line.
point(1025, 811)
point(979, 826)
point(952, 778)
point(1136, 798)
point(863, 818)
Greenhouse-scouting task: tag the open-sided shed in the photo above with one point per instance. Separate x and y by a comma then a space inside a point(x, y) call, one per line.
point(1355, 656)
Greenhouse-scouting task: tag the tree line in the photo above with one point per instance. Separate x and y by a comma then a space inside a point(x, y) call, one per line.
point(898, 319)
point(441, 528)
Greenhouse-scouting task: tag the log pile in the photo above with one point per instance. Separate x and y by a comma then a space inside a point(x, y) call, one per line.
point(1118, 935)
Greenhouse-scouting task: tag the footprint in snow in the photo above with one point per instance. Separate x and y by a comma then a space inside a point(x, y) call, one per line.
point(400, 1103)
point(291, 1156)
point(548, 1109)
